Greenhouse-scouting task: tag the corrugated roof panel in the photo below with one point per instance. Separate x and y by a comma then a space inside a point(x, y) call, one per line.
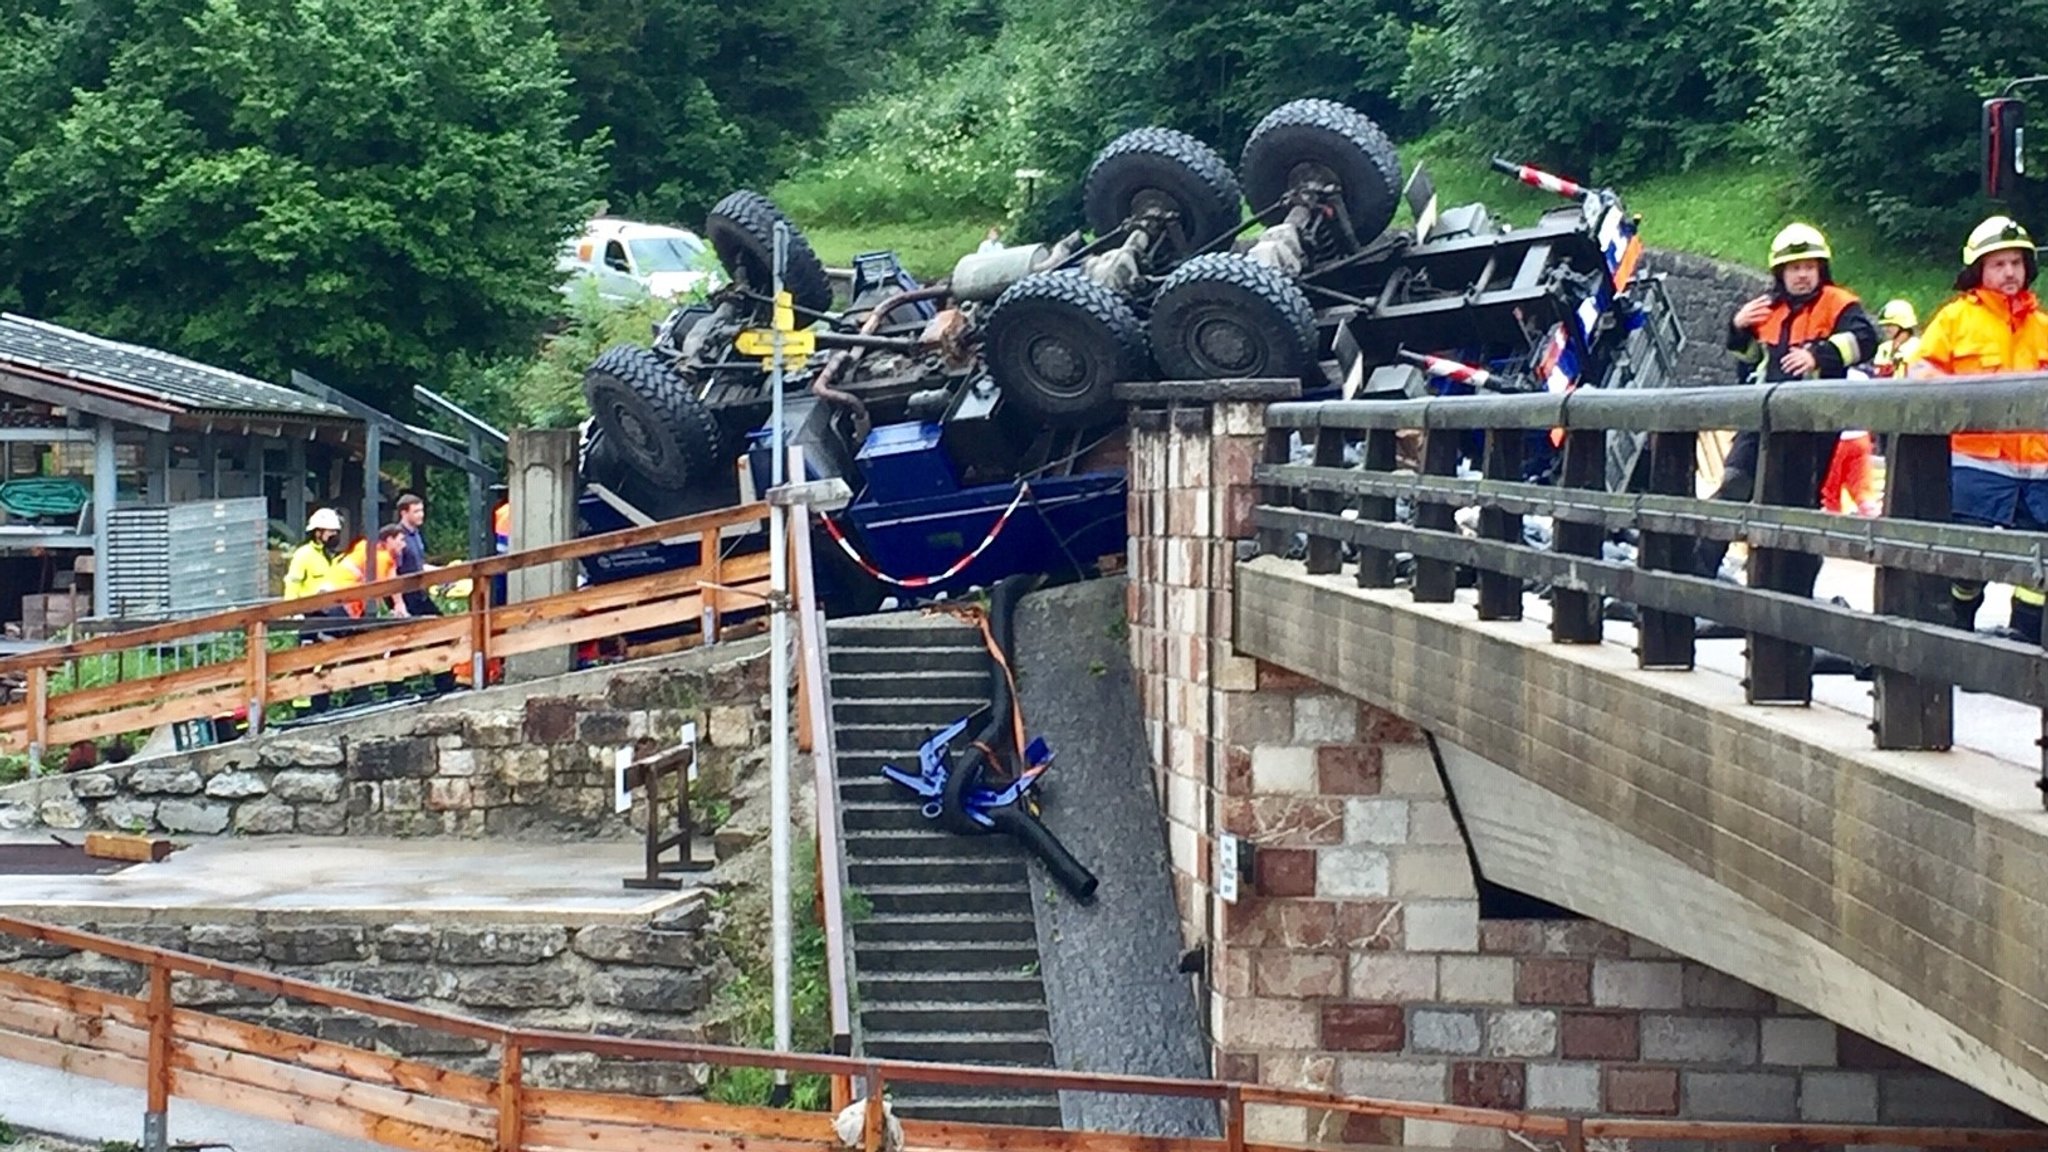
point(149, 371)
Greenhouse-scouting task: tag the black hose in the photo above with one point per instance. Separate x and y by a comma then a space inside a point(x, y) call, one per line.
point(999, 732)
point(1014, 820)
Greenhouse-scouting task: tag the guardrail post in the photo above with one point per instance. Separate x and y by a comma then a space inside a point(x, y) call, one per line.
point(1789, 472)
point(1574, 615)
point(479, 632)
point(256, 638)
point(1500, 594)
point(1326, 553)
point(510, 1097)
point(1436, 581)
point(1665, 639)
point(1279, 449)
point(1912, 713)
point(37, 702)
point(1233, 1118)
point(156, 1132)
point(874, 1129)
point(1376, 565)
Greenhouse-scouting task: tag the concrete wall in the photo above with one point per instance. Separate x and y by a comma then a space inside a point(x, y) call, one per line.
point(619, 975)
point(1356, 957)
point(536, 759)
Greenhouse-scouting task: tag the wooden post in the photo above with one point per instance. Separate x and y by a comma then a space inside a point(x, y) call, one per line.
point(874, 1122)
point(156, 1115)
point(709, 593)
point(511, 1085)
point(1436, 581)
point(38, 705)
point(1665, 639)
point(1780, 671)
point(373, 486)
point(1233, 1118)
point(1574, 615)
point(1326, 553)
point(1911, 713)
point(1575, 1135)
point(1376, 565)
point(1500, 595)
point(479, 631)
point(256, 637)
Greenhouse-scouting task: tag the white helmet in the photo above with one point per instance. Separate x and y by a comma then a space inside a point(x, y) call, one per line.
point(326, 518)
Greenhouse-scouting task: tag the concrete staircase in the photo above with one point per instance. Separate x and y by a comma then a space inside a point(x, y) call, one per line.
point(947, 958)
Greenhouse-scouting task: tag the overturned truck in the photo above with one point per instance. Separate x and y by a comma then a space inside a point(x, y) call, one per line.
point(975, 418)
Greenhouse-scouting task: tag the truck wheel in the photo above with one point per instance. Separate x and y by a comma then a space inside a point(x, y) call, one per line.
point(1221, 316)
point(1057, 342)
point(1159, 168)
point(1323, 141)
point(650, 419)
point(741, 229)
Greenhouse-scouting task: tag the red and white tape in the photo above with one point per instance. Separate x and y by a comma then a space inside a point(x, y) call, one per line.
point(839, 537)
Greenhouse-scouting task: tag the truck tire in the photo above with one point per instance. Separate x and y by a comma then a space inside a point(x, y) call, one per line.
point(1160, 167)
point(1058, 342)
point(1221, 316)
point(650, 419)
point(741, 229)
point(1327, 141)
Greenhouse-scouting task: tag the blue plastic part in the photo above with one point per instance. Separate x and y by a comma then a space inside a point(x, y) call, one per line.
point(1067, 521)
point(880, 274)
point(933, 772)
point(904, 462)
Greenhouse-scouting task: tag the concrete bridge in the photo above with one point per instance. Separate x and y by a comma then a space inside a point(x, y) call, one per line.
point(1786, 918)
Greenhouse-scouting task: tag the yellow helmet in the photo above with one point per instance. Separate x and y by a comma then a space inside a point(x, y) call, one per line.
point(1899, 314)
point(1996, 234)
point(1799, 242)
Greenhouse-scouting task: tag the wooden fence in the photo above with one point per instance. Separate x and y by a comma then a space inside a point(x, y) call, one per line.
point(151, 1043)
point(250, 672)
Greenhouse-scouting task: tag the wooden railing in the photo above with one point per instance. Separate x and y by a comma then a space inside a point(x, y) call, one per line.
point(1917, 657)
point(250, 672)
point(149, 1042)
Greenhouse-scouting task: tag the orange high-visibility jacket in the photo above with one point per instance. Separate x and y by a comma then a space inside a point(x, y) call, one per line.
point(1983, 332)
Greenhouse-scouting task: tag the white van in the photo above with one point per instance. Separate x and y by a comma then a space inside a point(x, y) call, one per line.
point(632, 261)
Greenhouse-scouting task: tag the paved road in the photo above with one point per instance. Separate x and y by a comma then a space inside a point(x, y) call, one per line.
point(77, 1107)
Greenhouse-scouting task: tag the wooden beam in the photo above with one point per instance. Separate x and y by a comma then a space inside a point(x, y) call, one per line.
point(326, 1056)
point(125, 846)
point(390, 426)
point(18, 381)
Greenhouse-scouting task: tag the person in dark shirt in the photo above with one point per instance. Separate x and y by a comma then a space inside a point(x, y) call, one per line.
point(412, 558)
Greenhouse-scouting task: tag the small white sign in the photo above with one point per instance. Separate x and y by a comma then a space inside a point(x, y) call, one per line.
point(690, 741)
point(622, 796)
point(1226, 868)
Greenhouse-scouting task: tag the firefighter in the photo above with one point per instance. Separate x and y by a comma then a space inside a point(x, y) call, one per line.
point(1995, 324)
point(1897, 322)
point(1806, 327)
point(314, 569)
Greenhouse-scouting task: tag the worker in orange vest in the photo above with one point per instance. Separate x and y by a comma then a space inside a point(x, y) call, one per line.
point(354, 567)
point(1806, 327)
point(1996, 479)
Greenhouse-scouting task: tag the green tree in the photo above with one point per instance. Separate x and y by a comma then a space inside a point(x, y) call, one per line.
point(1878, 101)
point(1598, 89)
point(368, 190)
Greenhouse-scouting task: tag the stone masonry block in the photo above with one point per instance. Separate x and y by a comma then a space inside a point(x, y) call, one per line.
point(1442, 925)
point(1348, 770)
point(1299, 975)
point(1707, 988)
point(550, 720)
point(1285, 821)
point(1499, 1084)
point(1444, 1031)
point(1542, 980)
point(1798, 1041)
point(1284, 769)
point(1370, 925)
point(1325, 719)
point(1431, 822)
point(1393, 977)
point(1476, 979)
point(1284, 872)
point(1700, 1039)
point(1599, 1036)
point(1253, 718)
point(1452, 1137)
point(1275, 1124)
point(1425, 1081)
point(1441, 873)
point(1638, 984)
point(1564, 1087)
point(1410, 770)
point(1929, 1098)
point(1642, 1091)
point(1838, 1097)
point(1363, 1027)
point(1314, 1072)
point(1521, 1032)
point(1351, 872)
point(1757, 1096)
point(1269, 1024)
point(1375, 821)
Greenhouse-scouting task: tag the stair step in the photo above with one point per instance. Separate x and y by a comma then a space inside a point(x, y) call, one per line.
point(873, 685)
point(902, 738)
point(1017, 1049)
point(879, 957)
point(927, 633)
point(887, 899)
point(930, 840)
point(860, 764)
point(966, 929)
point(966, 1016)
point(935, 711)
point(877, 988)
point(934, 870)
point(1032, 1110)
point(850, 659)
point(881, 815)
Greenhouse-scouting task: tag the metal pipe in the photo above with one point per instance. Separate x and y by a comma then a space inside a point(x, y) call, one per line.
point(865, 342)
point(778, 701)
point(822, 388)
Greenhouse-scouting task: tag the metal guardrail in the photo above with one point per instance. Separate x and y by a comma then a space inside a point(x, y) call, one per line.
point(170, 1051)
point(1917, 658)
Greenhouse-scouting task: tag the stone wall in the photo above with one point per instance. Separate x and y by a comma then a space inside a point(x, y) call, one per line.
point(532, 759)
point(1705, 293)
point(1357, 957)
point(645, 978)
